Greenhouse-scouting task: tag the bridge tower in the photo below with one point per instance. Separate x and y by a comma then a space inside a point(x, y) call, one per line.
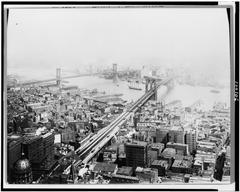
point(115, 75)
point(58, 76)
point(151, 83)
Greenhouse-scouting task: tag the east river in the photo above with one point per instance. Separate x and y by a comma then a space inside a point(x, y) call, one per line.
point(186, 93)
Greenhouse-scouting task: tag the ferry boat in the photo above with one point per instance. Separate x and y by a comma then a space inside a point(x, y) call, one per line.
point(135, 85)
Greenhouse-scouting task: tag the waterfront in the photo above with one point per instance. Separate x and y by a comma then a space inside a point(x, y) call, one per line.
point(186, 93)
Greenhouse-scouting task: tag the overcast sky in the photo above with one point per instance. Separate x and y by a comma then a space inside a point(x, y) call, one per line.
point(46, 38)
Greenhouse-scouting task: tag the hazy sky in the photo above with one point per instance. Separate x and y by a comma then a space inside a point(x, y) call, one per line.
point(46, 38)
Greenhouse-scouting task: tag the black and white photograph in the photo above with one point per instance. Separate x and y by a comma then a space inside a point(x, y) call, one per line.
point(118, 95)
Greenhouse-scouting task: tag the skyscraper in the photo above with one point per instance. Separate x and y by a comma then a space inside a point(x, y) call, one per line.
point(176, 135)
point(137, 154)
point(191, 140)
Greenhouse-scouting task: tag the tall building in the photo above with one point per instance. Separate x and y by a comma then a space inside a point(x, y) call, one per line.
point(14, 148)
point(191, 140)
point(33, 149)
point(218, 171)
point(176, 135)
point(48, 149)
point(39, 150)
point(162, 135)
point(136, 154)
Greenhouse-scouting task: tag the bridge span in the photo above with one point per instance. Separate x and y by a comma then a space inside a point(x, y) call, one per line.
point(58, 79)
point(91, 147)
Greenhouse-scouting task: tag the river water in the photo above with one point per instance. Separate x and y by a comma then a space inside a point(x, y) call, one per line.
point(186, 93)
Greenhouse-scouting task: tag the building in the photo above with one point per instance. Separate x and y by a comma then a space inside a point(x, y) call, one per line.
point(162, 135)
point(191, 140)
point(197, 166)
point(124, 170)
point(68, 135)
point(218, 171)
point(117, 179)
point(40, 152)
point(157, 147)
point(153, 155)
point(136, 154)
point(22, 171)
point(206, 146)
point(48, 147)
point(155, 150)
point(149, 175)
point(168, 154)
point(181, 149)
point(110, 153)
point(33, 149)
point(14, 149)
point(105, 168)
point(161, 166)
point(182, 166)
point(176, 135)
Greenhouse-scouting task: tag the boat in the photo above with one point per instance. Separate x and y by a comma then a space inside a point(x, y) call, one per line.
point(215, 91)
point(135, 86)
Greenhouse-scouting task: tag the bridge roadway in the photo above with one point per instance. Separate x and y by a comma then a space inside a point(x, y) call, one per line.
point(91, 147)
point(55, 79)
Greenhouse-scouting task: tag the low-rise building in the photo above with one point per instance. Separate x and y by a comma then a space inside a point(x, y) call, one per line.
point(182, 166)
point(181, 149)
point(168, 154)
point(161, 166)
point(105, 168)
point(110, 153)
point(118, 179)
point(149, 175)
point(124, 170)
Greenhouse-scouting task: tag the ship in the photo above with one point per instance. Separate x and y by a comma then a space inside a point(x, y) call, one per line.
point(135, 85)
point(215, 91)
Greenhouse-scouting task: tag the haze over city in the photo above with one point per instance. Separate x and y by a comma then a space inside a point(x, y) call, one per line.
point(43, 39)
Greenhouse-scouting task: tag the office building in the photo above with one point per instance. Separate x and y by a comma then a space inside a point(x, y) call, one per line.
point(162, 135)
point(176, 135)
point(33, 149)
point(191, 140)
point(14, 151)
point(136, 154)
